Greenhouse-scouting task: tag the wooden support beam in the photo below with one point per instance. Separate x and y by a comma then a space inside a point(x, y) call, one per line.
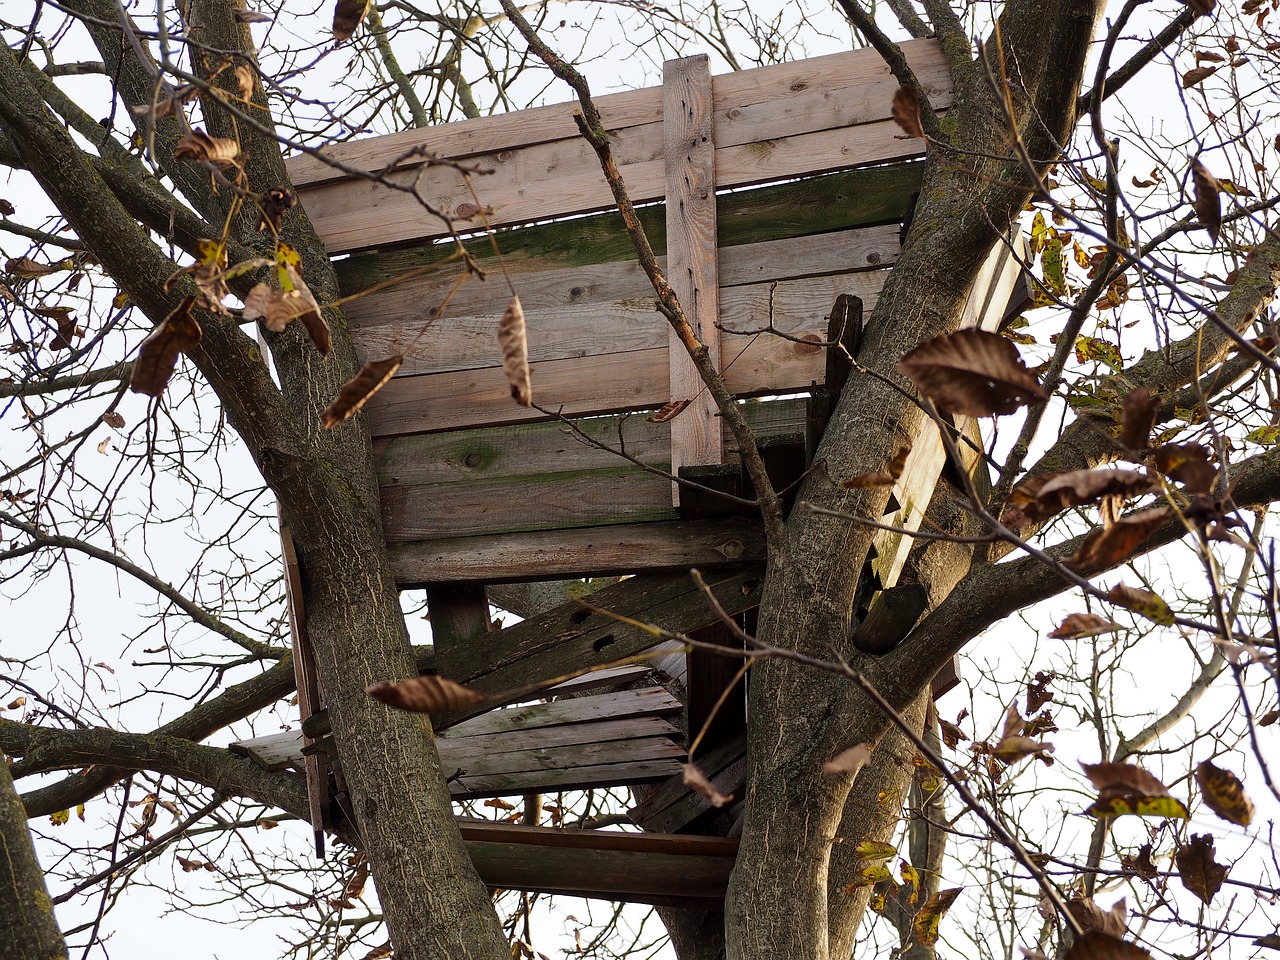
point(692, 255)
point(665, 870)
point(459, 613)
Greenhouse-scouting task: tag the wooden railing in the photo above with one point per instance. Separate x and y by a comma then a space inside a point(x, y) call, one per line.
point(463, 469)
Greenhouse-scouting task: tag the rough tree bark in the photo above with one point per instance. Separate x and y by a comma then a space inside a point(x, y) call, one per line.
point(28, 928)
point(778, 903)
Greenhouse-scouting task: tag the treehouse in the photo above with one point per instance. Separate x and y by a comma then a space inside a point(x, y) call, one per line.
point(777, 198)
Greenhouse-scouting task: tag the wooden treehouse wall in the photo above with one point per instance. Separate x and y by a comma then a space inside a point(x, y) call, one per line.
point(769, 193)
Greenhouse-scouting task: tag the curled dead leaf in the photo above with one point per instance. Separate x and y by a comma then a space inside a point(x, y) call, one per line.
point(355, 393)
point(1190, 464)
point(1198, 870)
point(177, 334)
point(1224, 794)
point(515, 352)
point(199, 146)
point(1208, 203)
point(668, 411)
point(1142, 602)
point(1013, 746)
point(1097, 945)
point(28, 269)
point(1077, 626)
point(272, 207)
point(971, 372)
point(881, 478)
point(428, 693)
point(347, 16)
point(1127, 789)
point(1137, 417)
point(113, 419)
point(849, 761)
point(1197, 75)
point(697, 781)
point(906, 112)
point(1090, 916)
point(1110, 545)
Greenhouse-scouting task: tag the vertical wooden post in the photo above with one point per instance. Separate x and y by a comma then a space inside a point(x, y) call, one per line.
point(459, 612)
point(692, 265)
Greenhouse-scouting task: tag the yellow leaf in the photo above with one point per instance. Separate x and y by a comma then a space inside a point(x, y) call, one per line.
point(930, 916)
point(1091, 348)
point(911, 878)
point(1051, 258)
point(1167, 807)
point(1264, 436)
point(875, 850)
point(286, 256)
point(80, 811)
point(59, 818)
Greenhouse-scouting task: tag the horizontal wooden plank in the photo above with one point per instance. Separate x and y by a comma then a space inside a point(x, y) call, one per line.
point(576, 778)
point(688, 877)
point(753, 363)
point(839, 201)
point(468, 767)
point(513, 452)
point(557, 181)
point(647, 702)
point(610, 677)
point(586, 552)
point(280, 750)
point(600, 840)
point(593, 309)
point(780, 98)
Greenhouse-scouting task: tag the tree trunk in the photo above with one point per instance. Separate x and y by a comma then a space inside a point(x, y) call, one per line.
point(28, 929)
point(777, 903)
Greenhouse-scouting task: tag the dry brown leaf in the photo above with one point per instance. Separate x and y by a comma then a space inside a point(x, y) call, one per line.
point(1187, 463)
point(28, 269)
point(199, 146)
point(1201, 7)
point(849, 761)
point(1125, 788)
point(1076, 626)
point(1140, 864)
point(1268, 718)
point(1110, 545)
point(272, 207)
point(881, 478)
point(1197, 869)
point(355, 883)
point(157, 358)
point(1208, 203)
point(347, 16)
point(1224, 794)
point(68, 329)
point(668, 411)
point(6, 208)
point(113, 419)
point(951, 734)
point(1013, 746)
point(906, 112)
point(515, 352)
point(971, 372)
point(1090, 916)
point(1137, 417)
point(1096, 945)
point(1197, 75)
point(250, 16)
point(428, 693)
point(355, 393)
point(1078, 487)
point(245, 80)
point(697, 781)
point(1143, 602)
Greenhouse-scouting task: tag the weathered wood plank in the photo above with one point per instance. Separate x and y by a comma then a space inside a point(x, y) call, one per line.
point(585, 552)
point(571, 637)
point(690, 159)
point(647, 702)
point(613, 313)
point(610, 677)
point(840, 89)
point(640, 868)
point(984, 309)
point(467, 767)
point(560, 181)
point(753, 363)
point(839, 201)
point(575, 778)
